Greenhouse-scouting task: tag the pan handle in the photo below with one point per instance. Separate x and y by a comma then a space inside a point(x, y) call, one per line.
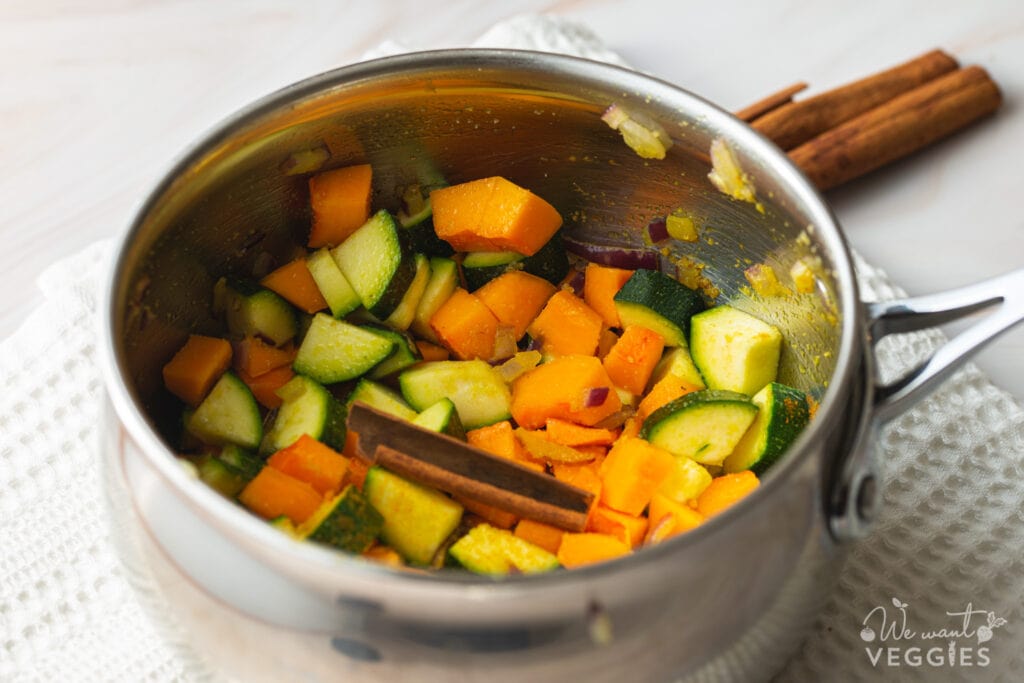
point(854, 499)
point(917, 313)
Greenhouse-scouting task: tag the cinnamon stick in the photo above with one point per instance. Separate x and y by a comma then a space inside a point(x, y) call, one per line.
point(793, 124)
point(456, 467)
point(898, 127)
point(773, 101)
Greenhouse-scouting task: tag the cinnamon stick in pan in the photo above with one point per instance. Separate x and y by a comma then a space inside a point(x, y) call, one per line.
point(898, 127)
point(793, 124)
point(456, 467)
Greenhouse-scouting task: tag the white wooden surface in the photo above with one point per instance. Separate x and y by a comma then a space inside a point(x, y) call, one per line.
point(96, 99)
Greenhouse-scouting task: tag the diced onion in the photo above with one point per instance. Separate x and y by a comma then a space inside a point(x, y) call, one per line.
point(595, 396)
point(629, 258)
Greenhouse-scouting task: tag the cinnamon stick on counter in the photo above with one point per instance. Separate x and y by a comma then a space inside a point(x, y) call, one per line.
point(456, 467)
point(797, 122)
point(898, 127)
point(770, 103)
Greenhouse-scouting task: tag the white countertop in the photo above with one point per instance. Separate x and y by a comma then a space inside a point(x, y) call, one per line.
point(98, 98)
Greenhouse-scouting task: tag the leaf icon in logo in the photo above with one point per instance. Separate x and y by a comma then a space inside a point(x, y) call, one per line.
point(898, 604)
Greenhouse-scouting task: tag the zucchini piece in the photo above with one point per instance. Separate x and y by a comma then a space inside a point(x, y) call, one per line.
point(416, 217)
point(551, 262)
point(228, 414)
point(375, 264)
point(416, 207)
point(406, 352)
point(704, 425)
point(403, 315)
point(734, 350)
point(444, 278)
point(480, 267)
point(488, 550)
point(283, 523)
point(656, 301)
point(306, 408)
point(247, 463)
point(442, 417)
point(336, 290)
point(347, 522)
point(334, 351)
point(677, 361)
point(417, 519)
point(221, 477)
point(782, 415)
point(250, 310)
point(480, 396)
point(383, 399)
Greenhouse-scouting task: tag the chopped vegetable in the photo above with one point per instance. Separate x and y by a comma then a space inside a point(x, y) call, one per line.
point(629, 529)
point(631, 361)
point(273, 493)
point(465, 326)
point(487, 550)
point(612, 255)
point(516, 298)
point(601, 285)
point(265, 387)
point(228, 415)
point(296, 285)
point(476, 389)
point(556, 389)
point(255, 357)
point(500, 439)
point(566, 326)
point(340, 200)
point(632, 473)
point(702, 425)
point(681, 518)
point(726, 174)
point(569, 434)
point(734, 350)
point(725, 491)
point(310, 461)
point(197, 365)
point(493, 214)
point(577, 550)
point(347, 522)
point(541, 535)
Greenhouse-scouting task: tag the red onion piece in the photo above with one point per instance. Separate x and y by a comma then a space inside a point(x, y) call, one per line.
point(575, 281)
point(595, 396)
point(657, 230)
point(629, 258)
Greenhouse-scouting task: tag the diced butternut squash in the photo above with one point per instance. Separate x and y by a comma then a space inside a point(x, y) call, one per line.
point(667, 389)
point(570, 434)
point(492, 515)
point(265, 387)
point(577, 550)
point(605, 342)
point(630, 529)
point(683, 517)
point(631, 361)
point(465, 326)
point(384, 554)
point(601, 285)
point(356, 474)
point(273, 493)
point(296, 285)
point(196, 367)
point(500, 439)
point(540, 534)
point(315, 463)
point(725, 491)
point(493, 214)
point(566, 326)
point(431, 352)
point(516, 298)
point(255, 357)
point(340, 200)
point(632, 472)
point(561, 389)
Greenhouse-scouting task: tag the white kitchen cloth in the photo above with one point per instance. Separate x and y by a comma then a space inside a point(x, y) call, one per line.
point(950, 534)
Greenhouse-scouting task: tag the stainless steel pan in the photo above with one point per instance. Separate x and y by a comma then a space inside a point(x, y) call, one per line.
point(730, 600)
